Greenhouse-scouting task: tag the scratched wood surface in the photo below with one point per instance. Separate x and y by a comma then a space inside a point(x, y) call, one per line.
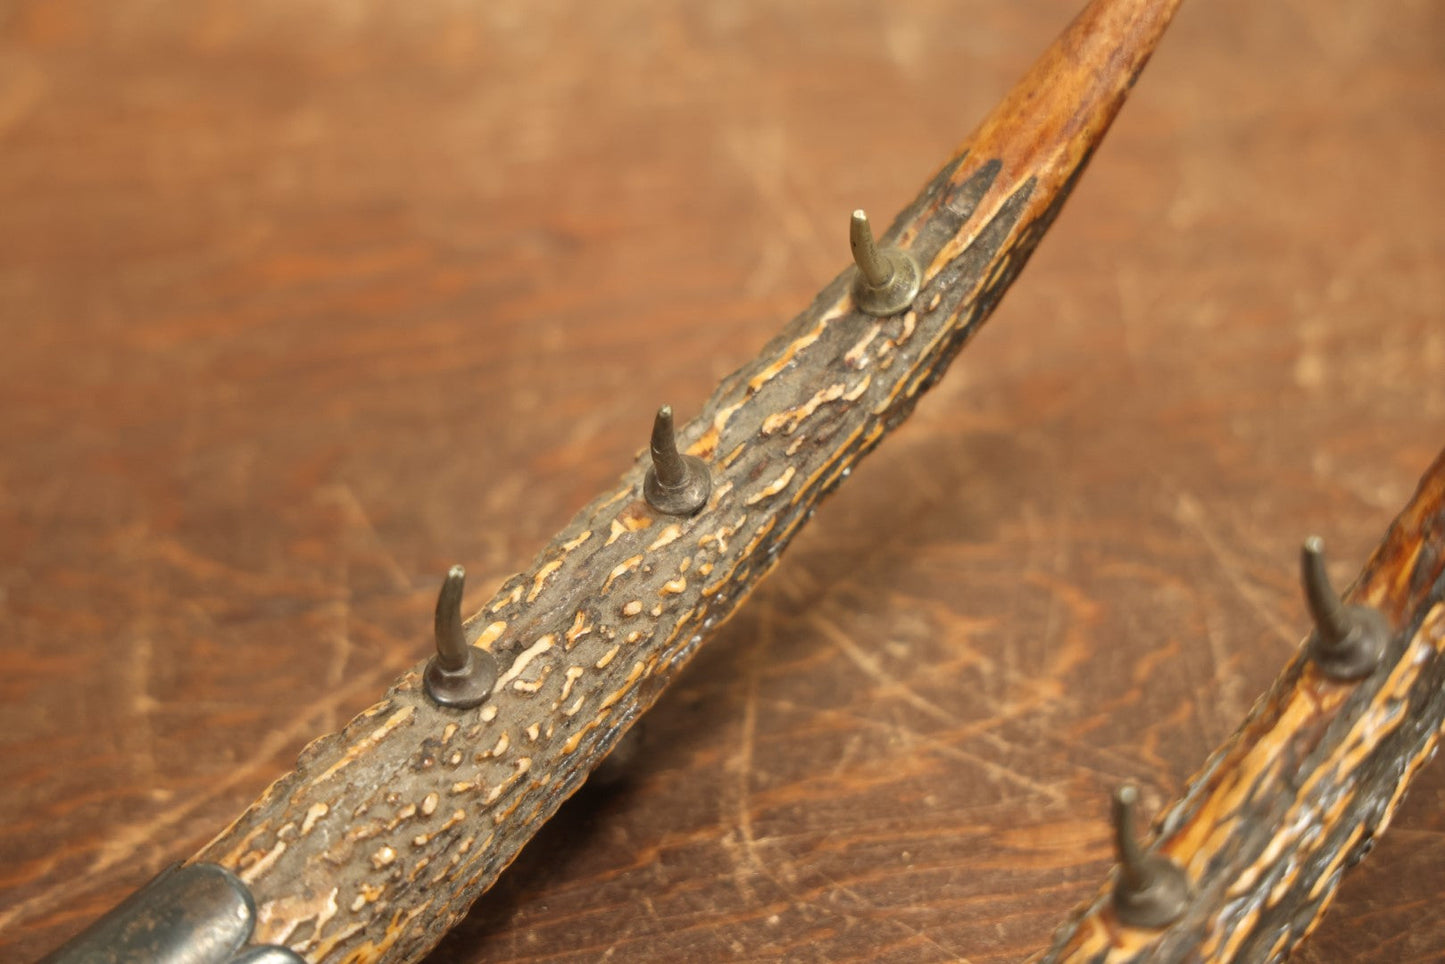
point(301, 306)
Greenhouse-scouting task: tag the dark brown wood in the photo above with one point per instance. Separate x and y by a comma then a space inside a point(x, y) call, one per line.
point(1301, 791)
point(302, 305)
point(387, 831)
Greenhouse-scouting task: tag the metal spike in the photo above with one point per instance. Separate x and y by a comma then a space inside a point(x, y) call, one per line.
point(675, 484)
point(887, 278)
point(459, 675)
point(1151, 891)
point(451, 638)
point(1126, 844)
point(876, 270)
point(1348, 641)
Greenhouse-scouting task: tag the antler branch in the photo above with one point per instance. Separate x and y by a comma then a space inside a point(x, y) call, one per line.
point(387, 831)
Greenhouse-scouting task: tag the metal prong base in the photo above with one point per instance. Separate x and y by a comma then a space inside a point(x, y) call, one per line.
point(463, 688)
point(1359, 653)
point(683, 499)
point(1159, 902)
point(895, 294)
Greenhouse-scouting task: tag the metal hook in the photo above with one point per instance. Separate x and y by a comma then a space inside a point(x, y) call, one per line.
point(1348, 642)
point(1151, 891)
point(887, 279)
point(676, 484)
point(459, 675)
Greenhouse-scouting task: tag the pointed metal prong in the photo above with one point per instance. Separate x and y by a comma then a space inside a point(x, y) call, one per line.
point(1126, 844)
point(451, 638)
point(675, 484)
point(1325, 607)
point(875, 269)
point(667, 461)
point(1348, 642)
point(887, 278)
point(1150, 891)
point(459, 675)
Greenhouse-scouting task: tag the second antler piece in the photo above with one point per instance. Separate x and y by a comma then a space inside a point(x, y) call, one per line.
point(1297, 795)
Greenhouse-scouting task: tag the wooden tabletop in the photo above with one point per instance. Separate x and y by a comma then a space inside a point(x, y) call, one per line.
point(303, 302)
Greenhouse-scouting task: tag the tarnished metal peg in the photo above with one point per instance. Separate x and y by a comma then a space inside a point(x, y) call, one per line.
point(676, 484)
point(459, 675)
point(887, 279)
point(1150, 891)
point(1348, 641)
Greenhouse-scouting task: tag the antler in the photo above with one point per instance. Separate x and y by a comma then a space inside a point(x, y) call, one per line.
point(387, 831)
point(1247, 861)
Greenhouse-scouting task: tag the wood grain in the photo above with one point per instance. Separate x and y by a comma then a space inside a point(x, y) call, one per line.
point(301, 307)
